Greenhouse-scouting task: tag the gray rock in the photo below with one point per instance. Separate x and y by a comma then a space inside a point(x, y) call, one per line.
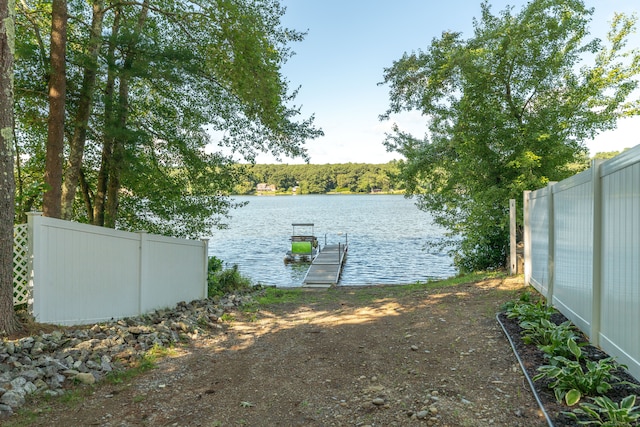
point(18, 383)
point(30, 388)
point(85, 378)
point(31, 374)
point(42, 363)
point(422, 415)
point(10, 347)
point(12, 398)
point(5, 411)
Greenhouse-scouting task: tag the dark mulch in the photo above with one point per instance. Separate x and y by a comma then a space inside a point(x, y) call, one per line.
point(532, 358)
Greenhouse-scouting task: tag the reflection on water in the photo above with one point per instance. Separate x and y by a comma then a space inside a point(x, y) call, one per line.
point(388, 238)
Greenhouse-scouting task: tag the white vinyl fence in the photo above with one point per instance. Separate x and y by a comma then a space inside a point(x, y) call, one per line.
point(582, 251)
point(80, 274)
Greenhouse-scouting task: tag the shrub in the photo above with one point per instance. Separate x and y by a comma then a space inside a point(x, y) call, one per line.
point(222, 281)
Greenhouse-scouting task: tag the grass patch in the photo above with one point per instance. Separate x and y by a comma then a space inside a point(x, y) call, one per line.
point(275, 296)
point(27, 417)
point(146, 363)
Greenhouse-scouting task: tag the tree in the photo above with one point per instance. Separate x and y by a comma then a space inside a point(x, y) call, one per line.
point(8, 322)
point(147, 85)
point(57, 94)
point(508, 110)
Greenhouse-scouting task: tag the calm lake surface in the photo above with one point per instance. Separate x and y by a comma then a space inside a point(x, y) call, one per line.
point(387, 238)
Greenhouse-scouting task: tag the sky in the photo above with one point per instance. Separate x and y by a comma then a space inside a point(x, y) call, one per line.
point(348, 45)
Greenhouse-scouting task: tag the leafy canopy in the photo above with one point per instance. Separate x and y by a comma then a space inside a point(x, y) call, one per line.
point(509, 109)
point(177, 85)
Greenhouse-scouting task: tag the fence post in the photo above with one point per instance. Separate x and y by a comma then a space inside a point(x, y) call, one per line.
point(143, 264)
point(551, 246)
point(513, 262)
point(33, 265)
point(596, 263)
point(205, 246)
point(526, 235)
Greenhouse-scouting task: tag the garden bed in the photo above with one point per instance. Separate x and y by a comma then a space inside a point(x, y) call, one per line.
point(531, 358)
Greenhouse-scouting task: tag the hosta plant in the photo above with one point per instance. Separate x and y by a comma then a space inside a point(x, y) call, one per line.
point(570, 381)
point(606, 413)
point(528, 312)
point(543, 332)
point(555, 341)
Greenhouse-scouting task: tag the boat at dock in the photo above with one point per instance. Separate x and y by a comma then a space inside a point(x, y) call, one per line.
point(326, 261)
point(304, 243)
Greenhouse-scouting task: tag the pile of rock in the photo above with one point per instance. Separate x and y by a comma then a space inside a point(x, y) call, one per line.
point(48, 362)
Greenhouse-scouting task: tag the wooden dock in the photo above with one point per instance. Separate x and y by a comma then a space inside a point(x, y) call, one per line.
point(326, 267)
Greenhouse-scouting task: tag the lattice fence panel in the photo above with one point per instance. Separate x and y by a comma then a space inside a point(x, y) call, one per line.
point(21, 264)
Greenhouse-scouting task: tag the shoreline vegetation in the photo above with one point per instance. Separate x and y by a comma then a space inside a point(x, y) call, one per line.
point(342, 178)
point(336, 178)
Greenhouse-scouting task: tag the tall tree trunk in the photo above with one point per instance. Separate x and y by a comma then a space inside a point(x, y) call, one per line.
point(107, 144)
point(86, 195)
point(57, 93)
point(118, 144)
point(81, 123)
point(8, 321)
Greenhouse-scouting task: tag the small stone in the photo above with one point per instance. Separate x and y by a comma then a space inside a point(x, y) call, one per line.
point(40, 384)
point(38, 348)
point(85, 378)
point(12, 398)
point(70, 373)
point(422, 415)
point(414, 347)
point(378, 401)
point(18, 383)
point(30, 388)
point(5, 411)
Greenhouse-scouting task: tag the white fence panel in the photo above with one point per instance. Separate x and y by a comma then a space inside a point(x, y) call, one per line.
point(620, 298)
point(178, 277)
point(573, 248)
point(86, 274)
point(539, 232)
point(593, 267)
point(83, 273)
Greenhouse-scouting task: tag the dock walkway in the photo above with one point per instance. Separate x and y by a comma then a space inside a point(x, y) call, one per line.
point(326, 267)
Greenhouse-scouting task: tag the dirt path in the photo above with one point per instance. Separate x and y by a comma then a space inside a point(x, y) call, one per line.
point(374, 356)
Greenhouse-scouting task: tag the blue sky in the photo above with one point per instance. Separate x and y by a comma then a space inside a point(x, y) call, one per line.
point(350, 42)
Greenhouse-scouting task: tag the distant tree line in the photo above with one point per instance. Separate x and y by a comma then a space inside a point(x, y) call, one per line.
point(321, 179)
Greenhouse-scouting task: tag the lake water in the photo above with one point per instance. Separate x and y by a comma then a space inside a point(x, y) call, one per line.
point(388, 238)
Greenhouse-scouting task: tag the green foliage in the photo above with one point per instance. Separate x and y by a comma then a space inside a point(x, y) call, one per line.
point(278, 295)
point(544, 333)
point(173, 83)
point(526, 311)
point(604, 412)
point(147, 362)
point(214, 265)
point(571, 380)
point(509, 111)
point(554, 343)
point(321, 179)
point(222, 281)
